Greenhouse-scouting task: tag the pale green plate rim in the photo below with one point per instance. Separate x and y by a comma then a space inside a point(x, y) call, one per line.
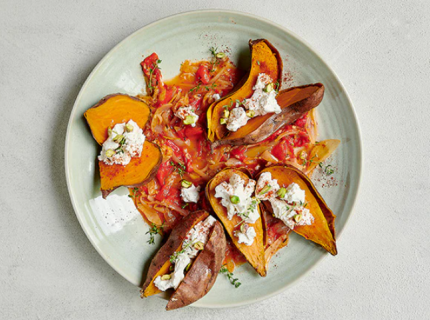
point(355, 187)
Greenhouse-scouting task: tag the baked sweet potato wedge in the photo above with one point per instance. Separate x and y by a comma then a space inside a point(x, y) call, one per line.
point(134, 174)
point(203, 271)
point(113, 109)
point(254, 253)
point(294, 102)
point(160, 264)
point(109, 111)
point(322, 230)
point(264, 59)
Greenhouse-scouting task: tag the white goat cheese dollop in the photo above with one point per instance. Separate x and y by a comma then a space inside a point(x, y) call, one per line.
point(244, 207)
point(120, 150)
point(237, 119)
point(294, 194)
point(266, 187)
point(246, 237)
point(184, 112)
point(262, 102)
point(190, 194)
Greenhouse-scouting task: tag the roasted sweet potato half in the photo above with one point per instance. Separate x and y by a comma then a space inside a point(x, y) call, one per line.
point(203, 271)
point(322, 230)
point(109, 111)
point(264, 59)
point(134, 174)
point(254, 254)
point(114, 109)
point(294, 102)
point(161, 263)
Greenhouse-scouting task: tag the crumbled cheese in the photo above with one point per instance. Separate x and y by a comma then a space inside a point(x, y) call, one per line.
point(183, 112)
point(190, 194)
point(262, 102)
point(237, 119)
point(287, 213)
point(216, 97)
point(246, 237)
point(294, 194)
point(290, 208)
point(122, 152)
point(246, 207)
point(200, 233)
point(266, 187)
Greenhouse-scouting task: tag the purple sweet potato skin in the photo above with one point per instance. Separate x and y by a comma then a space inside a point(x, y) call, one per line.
point(177, 236)
point(203, 272)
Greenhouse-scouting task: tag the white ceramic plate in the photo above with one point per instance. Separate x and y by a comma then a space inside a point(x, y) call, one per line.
point(116, 229)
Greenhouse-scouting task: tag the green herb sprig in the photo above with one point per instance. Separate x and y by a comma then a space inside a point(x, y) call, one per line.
point(328, 170)
point(151, 71)
point(135, 189)
point(153, 231)
point(230, 276)
point(179, 167)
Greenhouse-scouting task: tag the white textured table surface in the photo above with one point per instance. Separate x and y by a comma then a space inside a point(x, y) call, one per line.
point(381, 52)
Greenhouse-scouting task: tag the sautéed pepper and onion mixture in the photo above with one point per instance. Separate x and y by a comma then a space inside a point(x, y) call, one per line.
point(187, 152)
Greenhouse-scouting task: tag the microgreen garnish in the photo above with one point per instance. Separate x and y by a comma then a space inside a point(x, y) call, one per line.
point(153, 231)
point(184, 205)
point(175, 255)
point(151, 72)
point(213, 51)
point(196, 88)
point(277, 85)
point(329, 170)
point(258, 62)
point(180, 168)
point(121, 143)
point(135, 189)
point(233, 281)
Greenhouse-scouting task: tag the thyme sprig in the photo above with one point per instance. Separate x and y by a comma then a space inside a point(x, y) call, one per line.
point(230, 276)
point(153, 231)
point(179, 167)
point(328, 170)
point(135, 189)
point(151, 72)
point(175, 254)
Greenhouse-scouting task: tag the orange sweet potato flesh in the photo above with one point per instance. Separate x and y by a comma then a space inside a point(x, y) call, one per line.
point(322, 230)
point(254, 254)
point(203, 272)
point(160, 264)
point(264, 59)
point(109, 111)
point(114, 109)
point(134, 174)
point(294, 102)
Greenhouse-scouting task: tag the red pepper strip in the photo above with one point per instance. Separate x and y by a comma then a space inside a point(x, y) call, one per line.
point(194, 132)
point(168, 193)
point(203, 74)
point(166, 94)
point(188, 162)
point(165, 170)
point(175, 148)
point(301, 139)
point(301, 122)
point(280, 151)
point(239, 153)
